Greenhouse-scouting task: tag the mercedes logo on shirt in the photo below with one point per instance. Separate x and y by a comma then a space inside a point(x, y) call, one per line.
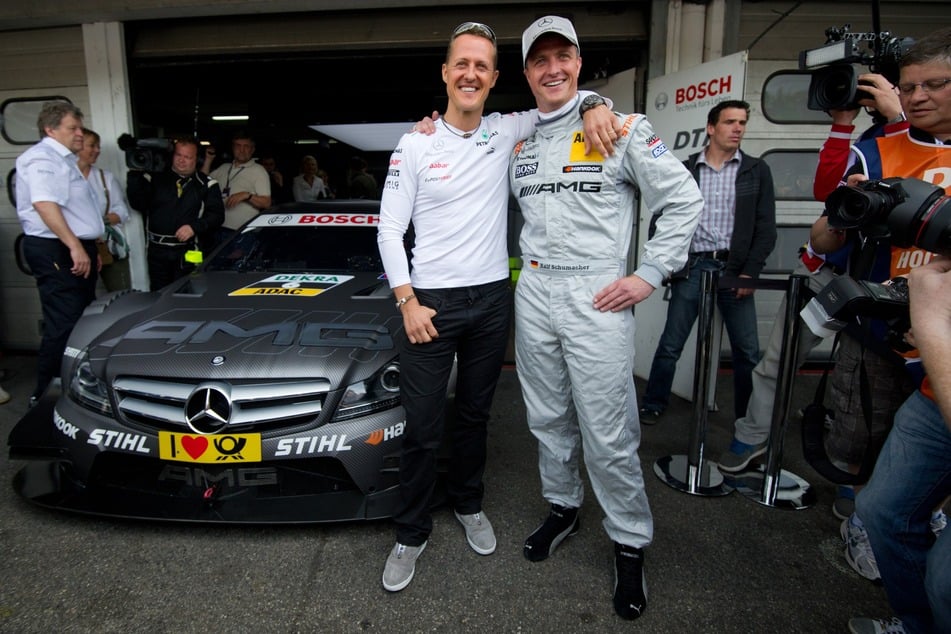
point(208, 409)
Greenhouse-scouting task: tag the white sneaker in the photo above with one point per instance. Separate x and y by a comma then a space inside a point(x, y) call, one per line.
point(4, 396)
point(858, 550)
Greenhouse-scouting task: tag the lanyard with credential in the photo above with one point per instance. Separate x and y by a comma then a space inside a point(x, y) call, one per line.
point(228, 182)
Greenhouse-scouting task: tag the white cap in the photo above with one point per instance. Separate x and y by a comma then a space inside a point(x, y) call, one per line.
point(547, 24)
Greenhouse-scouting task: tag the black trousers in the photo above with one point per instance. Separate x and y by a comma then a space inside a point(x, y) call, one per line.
point(167, 264)
point(63, 297)
point(473, 325)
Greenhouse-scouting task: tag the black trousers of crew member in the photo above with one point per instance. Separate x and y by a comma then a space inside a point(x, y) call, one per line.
point(63, 297)
point(167, 263)
point(473, 325)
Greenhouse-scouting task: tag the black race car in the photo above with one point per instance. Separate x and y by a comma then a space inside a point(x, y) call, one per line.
point(262, 388)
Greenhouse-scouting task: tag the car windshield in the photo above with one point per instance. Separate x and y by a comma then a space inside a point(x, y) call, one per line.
point(300, 248)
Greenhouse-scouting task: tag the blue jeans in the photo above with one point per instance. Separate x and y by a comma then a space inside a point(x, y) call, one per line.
point(911, 478)
point(739, 315)
point(473, 324)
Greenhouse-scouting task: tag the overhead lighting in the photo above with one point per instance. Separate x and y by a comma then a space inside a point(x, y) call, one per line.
point(229, 117)
point(367, 137)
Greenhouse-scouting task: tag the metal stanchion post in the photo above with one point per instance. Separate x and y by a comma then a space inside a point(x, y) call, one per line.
point(689, 473)
point(773, 486)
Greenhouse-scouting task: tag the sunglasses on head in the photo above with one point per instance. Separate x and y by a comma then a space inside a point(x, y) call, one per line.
point(474, 28)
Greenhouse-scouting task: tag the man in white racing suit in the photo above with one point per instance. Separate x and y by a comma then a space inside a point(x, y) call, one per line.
point(574, 341)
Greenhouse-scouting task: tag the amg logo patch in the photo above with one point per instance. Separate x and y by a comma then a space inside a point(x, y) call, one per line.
point(582, 187)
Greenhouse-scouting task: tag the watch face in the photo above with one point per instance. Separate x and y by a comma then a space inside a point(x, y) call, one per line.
point(592, 101)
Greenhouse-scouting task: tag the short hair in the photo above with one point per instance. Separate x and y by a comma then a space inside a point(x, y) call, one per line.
point(479, 30)
point(92, 133)
point(52, 113)
point(241, 135)
point(713, 117)
point(934, 47)
point(188, 140)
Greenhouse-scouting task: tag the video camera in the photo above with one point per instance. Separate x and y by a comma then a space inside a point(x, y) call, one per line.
point(914, 213)
point(835, 86)
point(149, 155)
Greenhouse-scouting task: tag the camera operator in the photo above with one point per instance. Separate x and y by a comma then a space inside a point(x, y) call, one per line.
point(751, 430)
point(887, 116)
point(913, 474)
point(865, 363)
point(182, 207)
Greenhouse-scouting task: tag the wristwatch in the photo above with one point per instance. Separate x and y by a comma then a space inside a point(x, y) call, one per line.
point(898, 118)
point(591, 101)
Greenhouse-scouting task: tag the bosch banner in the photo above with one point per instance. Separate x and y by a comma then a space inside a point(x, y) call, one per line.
point(677, 104)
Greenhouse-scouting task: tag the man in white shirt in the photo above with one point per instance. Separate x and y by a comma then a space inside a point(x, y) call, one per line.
point(245, 185)
point(62, 220)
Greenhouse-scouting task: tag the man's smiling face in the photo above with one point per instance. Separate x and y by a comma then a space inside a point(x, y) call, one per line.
point(552, 68)
point(469, 72)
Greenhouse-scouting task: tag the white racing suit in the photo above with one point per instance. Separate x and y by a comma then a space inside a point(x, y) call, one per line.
point(575, 363)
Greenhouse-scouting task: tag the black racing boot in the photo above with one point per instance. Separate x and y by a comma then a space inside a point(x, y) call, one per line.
point(630, 585)
point(561, 522)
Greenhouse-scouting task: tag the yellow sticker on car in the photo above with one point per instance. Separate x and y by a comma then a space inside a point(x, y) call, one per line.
point(214, 449)
point(295, 284)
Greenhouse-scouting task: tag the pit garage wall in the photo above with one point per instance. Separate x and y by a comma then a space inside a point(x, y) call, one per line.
point(35, 63)
point(85, 64)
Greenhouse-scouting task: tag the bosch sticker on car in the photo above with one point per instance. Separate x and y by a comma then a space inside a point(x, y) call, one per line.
point(299, 284)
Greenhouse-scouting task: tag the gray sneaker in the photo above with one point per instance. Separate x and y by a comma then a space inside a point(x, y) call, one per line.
point(479, 532)
point(862, 625)
point(401, 565)
point(738, 456)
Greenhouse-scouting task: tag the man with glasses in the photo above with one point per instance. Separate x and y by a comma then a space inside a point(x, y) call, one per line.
point(455, 299)
point(894, 511)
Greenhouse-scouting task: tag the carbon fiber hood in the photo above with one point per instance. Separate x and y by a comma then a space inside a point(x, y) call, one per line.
point(248, 327)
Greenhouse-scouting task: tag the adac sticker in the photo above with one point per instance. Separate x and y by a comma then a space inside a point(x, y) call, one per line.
point(577, 154)
point(293, 284)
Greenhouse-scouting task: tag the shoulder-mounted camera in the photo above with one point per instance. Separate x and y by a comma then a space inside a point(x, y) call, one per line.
point(148, 155)
point(835, 84)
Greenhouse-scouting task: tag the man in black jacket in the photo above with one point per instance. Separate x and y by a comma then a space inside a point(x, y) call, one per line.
point(182, 207)
point(737, 232)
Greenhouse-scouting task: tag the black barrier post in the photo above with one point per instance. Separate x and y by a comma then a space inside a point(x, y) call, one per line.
point(774, 486)
point(690, 473)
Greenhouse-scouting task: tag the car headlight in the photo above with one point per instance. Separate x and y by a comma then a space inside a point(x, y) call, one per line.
point(86, 388)
point(377, 393)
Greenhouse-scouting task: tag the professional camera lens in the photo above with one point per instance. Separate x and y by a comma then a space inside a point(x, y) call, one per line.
point(833, 88)
point(851, 207)
point(922, 218)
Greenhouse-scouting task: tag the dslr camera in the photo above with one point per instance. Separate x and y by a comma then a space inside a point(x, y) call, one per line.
point(834, 85)
point(147, 155)
point(913, 213)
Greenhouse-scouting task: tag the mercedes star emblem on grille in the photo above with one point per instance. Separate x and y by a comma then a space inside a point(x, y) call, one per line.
point(208, 409)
